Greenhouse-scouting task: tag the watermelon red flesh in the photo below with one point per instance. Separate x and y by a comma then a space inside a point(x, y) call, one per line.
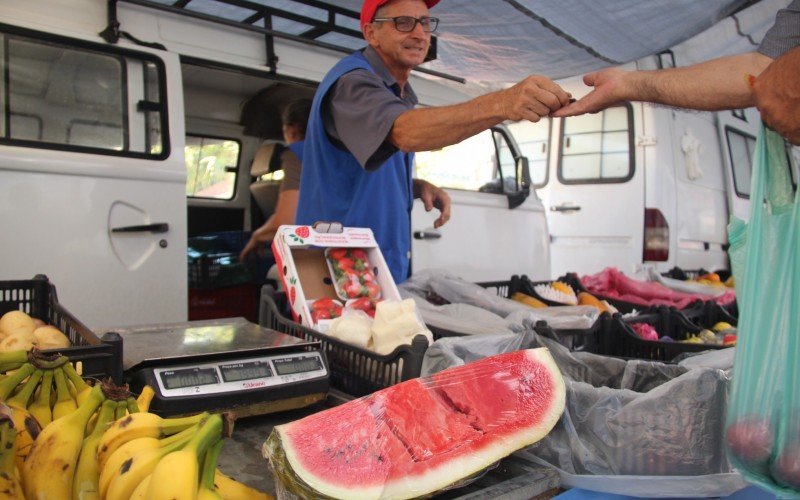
point(422, 435)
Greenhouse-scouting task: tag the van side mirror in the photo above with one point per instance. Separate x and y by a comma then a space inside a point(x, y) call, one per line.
point(517, 196)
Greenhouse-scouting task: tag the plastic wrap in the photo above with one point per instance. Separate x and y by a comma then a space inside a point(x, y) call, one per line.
point(683, 286)
point(625, 421)
point(423, 435)
point(458, 291)
point(611, 283)
point(763, 429)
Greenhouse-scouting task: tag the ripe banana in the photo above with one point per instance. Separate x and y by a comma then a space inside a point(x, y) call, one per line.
point(10, 487)
point(140, 493)
point(49, 469)
point(231, 489)
point(176, 476)
point(40, 407)
point(145, 398)
point(26, 425)
point(110, 464)
point(137, 425)
point(208, 491)
point(65, 404)
point(135, 469)
point(85, 485)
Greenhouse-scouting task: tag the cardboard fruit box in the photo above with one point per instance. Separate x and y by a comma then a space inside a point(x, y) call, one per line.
point(305, 256)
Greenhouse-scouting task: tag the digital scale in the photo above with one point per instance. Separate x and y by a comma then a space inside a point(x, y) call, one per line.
point(223, 365)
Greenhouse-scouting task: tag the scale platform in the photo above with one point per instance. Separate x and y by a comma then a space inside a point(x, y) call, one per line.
point(223, 365)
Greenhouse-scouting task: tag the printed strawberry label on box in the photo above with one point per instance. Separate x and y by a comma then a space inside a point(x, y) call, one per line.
point(324, 272)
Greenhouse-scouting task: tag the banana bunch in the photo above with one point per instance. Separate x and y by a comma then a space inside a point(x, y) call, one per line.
point(146, 456)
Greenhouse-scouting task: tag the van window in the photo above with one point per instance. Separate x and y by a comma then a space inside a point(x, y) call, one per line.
point(483, 162)
point(73, 97)
point(740, 148)
point(211, 166)
point(534, 143)
point(597, 148)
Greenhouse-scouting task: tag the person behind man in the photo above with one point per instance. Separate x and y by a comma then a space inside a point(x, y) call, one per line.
point(364, 129)
point(294, 120)
point(721, 83)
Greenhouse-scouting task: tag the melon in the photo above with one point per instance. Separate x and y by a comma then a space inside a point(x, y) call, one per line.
point(422, 435)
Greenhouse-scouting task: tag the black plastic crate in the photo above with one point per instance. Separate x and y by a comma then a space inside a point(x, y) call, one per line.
point(100, 357)
point(213, 261)
point(355, 371)
point(617, 337)
point(577, 339)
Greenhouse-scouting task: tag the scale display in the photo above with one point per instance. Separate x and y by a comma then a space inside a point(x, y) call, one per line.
point(228, 376)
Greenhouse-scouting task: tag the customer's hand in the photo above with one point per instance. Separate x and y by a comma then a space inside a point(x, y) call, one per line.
point(777, 94)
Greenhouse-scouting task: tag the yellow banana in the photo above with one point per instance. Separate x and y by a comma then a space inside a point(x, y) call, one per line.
point(82, 389)
point(10, 487)
point(65, 404)
point(87, 473)
point(50, 467)
point(122, 410)
point(208, 490)
point(133, 406)
point(176, 476)
point(135, 469)
point(141, 424)
point(26, 426)
point(110, 467)
point(40, 407)
point(140, 493)
point(145, 398)
point(231, 489)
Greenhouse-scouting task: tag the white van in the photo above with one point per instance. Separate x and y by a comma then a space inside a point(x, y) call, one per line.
point(128, 127)
point(641, 185)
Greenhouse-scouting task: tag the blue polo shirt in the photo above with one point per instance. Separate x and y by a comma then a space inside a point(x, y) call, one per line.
point(336, 187)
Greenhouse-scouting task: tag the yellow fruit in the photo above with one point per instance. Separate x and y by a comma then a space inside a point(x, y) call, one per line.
point(231, 489)
point(587, 299)
point(20, 341)
point(528, 300)
point(722, 325)
point(16, 321)
point(562, 287)
point(50, 337)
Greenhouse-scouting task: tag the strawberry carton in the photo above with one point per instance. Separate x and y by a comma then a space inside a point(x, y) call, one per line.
point(328, 268)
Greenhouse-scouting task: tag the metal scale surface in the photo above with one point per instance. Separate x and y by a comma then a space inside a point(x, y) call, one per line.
point(223, 365)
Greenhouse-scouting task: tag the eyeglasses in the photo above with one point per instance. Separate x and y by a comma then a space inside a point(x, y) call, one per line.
point(406, 24)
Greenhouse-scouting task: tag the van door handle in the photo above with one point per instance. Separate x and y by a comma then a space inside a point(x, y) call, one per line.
point(427, 235)
point(565, 208)
point(158, 227)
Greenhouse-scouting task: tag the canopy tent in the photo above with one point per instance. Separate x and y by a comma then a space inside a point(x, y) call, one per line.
point(497, 42)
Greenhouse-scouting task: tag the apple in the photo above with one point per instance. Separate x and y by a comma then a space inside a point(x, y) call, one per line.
point(750, 439)
point(786, 469)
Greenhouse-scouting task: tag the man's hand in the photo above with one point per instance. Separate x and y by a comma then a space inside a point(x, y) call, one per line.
point(433, 197)
point(777, 94)
point(609, 89)
point(532, 98)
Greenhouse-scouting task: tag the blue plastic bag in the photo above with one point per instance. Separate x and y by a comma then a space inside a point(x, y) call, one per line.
point(763, 422)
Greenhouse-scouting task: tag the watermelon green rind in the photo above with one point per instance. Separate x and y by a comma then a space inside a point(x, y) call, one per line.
point(382, 446)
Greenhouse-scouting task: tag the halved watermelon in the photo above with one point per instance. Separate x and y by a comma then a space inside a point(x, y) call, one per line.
point(422, 435)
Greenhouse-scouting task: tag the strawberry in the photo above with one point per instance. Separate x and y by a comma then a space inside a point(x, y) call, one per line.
point(302, 231)
point(358, 253)
point(365, 304)
point(373, 290)
point(353, 289)
point(336, 311)
point(337, 253)
point(367, 277)
point(323, 303)
point(319, 314)
point(345, 263)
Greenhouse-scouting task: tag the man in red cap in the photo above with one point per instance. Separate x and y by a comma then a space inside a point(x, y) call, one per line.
point(364, 128)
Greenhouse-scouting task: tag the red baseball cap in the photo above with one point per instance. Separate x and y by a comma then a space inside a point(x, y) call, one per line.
point(369, 7)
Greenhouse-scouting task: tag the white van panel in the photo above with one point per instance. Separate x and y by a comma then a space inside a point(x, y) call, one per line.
point(482, 225)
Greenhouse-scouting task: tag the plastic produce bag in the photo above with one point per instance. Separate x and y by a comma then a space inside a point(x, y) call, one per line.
point(635, 427)
point(763, 426)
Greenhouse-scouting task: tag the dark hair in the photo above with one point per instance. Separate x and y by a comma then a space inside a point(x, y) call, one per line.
point(296, 113)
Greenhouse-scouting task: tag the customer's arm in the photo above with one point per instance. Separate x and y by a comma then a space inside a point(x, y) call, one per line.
point(712, 85)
